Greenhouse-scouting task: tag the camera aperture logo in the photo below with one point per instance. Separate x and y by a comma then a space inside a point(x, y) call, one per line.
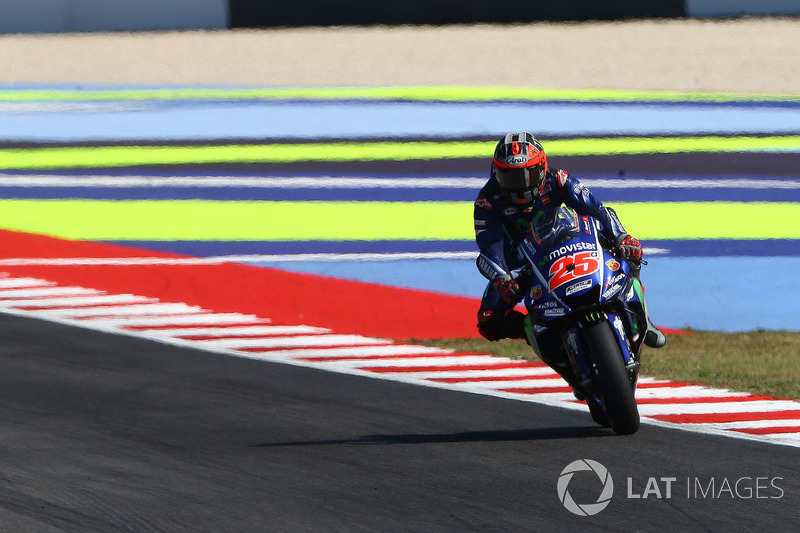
point(747, 487)
point(585, 509)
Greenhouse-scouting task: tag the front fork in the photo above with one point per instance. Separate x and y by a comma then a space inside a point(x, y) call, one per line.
point(577, 349)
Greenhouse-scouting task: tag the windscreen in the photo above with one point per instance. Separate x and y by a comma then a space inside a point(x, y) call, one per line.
point(553, 228)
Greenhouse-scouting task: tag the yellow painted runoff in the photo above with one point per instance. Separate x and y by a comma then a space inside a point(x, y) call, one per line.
point(126, 156)
point(161, 220)
point(436, 93)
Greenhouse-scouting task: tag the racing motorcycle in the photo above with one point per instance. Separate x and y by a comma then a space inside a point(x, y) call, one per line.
point(585, 314)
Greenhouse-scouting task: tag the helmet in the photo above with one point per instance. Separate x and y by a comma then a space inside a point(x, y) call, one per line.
point(519, 165)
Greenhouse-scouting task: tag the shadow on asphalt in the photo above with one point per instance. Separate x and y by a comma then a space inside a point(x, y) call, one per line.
point(469, 436)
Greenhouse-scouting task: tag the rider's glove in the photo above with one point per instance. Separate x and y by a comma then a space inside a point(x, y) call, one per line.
point(630, 249)
point(507, 287)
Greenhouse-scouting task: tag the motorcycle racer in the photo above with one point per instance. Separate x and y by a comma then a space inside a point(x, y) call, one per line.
point(520, 187)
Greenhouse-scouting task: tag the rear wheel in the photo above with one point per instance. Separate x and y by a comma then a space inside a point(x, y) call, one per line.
point(611, 381)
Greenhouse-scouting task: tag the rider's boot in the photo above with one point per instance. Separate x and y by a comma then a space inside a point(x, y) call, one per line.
point(653, 337)
point(493, 324)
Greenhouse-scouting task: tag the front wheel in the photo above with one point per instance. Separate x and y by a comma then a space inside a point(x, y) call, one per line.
point(611, 381)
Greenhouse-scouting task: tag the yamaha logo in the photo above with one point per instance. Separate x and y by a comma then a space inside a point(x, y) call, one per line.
point(585, 509)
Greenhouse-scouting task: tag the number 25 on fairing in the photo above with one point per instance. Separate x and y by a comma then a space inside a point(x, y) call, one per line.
point(571, 267)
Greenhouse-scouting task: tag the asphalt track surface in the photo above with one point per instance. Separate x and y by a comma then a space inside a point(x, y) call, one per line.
point(111, 433)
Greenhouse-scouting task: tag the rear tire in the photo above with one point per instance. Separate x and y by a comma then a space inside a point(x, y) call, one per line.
point(611, 382)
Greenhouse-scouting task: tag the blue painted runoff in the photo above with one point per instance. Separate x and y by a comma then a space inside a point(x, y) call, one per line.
point(716, 294)
point(220, 120)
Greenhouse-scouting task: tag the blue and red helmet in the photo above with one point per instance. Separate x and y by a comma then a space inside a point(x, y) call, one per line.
point(520, 166)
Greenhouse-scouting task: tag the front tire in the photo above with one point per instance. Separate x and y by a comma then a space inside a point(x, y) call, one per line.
point(611, 381)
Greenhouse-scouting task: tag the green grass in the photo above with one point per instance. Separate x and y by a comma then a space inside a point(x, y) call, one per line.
point(760, 362)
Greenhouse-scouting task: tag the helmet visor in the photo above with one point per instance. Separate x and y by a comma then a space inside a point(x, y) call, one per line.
point(520, 184)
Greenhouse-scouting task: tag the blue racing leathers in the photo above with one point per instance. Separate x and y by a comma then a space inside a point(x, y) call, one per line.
point(499, 227)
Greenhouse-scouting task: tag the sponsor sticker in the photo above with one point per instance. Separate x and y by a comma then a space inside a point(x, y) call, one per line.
point(581, 285)
point(572, 247)
point(562, 178)
point(484, 203)
point(516, 160)
point(586, 226)
point(536, 292)
point(611, 291)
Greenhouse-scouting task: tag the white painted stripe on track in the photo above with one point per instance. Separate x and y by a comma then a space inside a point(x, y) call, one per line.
point(289, 341)
point(233, 331)
point(691, 391)
point(757, 406)
point(315, 182)
point(739, 183)
point(488, 373)
point(532, 384)
point(398, 256)
point(204, 318)
point(747, 424)
point(782, 438)
point(536, 369)
point(560, 398)
point(343, 353)
point(127, 310)
point(46, 291)
point(453, 361)
point(80, 301)
point(243, 258)
point(357, 182)
point(112, 261)
point(421, 365)
point(19, 283)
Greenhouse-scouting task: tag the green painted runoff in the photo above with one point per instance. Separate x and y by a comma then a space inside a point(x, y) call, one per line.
point(175, 220)
point(126, 156)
